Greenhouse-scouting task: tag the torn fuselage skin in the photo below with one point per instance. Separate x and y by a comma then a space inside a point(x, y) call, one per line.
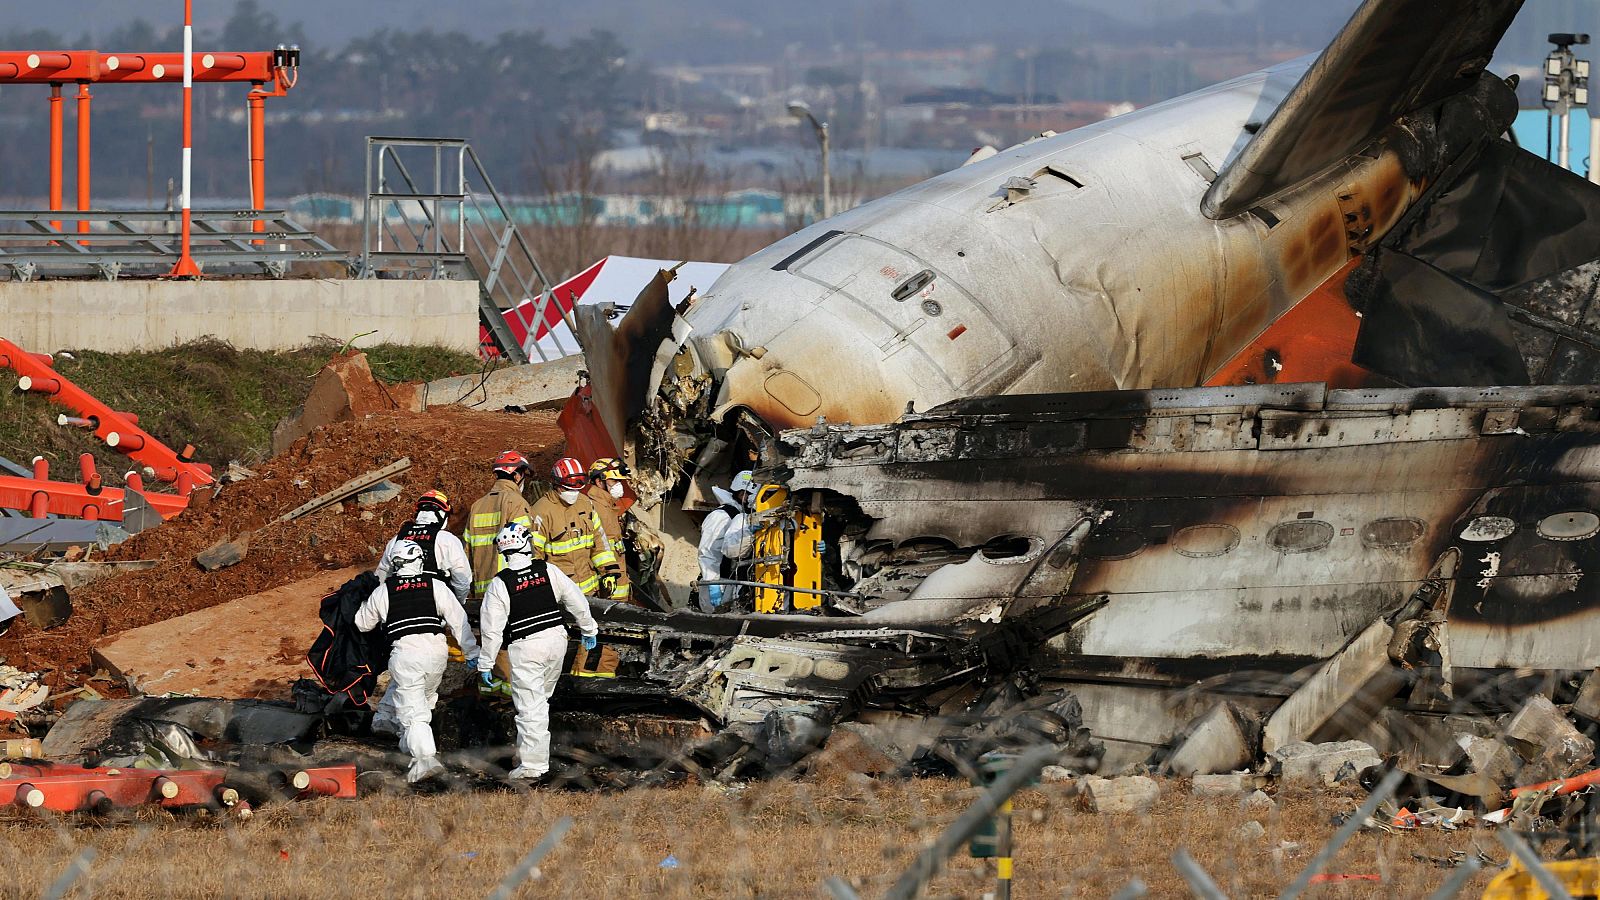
point(1220, 536)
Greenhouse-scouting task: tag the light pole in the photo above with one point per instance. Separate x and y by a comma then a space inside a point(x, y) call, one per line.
point(1566, 84)
point(802, 111)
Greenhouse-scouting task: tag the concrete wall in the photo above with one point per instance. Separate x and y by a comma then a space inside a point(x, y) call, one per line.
point(115, 316)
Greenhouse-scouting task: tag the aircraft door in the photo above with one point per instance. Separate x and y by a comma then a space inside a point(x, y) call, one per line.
point(903, 304)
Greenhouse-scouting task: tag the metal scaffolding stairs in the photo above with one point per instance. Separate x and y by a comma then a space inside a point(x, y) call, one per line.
point(451, 223)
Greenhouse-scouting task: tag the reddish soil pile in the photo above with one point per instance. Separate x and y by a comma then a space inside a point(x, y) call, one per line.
point(449, 448)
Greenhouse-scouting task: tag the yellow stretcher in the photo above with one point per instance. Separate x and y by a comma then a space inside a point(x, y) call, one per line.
point(788, 552)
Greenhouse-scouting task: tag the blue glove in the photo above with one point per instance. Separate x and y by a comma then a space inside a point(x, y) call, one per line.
point(590, 642)
point(472, 662)
point(714, 594)
point(488, 679)
point(822, 547)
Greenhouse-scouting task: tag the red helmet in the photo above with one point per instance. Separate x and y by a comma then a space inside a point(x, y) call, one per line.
point(510, 462)
point(434, 500)
point(568, 473)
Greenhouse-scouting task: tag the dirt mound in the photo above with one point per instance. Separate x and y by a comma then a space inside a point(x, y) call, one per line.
point(449, 448)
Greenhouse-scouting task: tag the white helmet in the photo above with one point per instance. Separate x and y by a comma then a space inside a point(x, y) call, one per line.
point(514, 538)
point(407, 557)
point(744, 481)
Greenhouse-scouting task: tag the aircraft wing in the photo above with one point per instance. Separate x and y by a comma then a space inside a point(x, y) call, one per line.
point(1394, 57)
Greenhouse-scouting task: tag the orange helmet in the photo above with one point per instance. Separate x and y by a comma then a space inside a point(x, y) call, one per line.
point(510, 462)
point(434, 500)
point(568, 473)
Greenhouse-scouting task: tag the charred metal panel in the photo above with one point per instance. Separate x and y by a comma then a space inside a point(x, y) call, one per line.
point(1524, 596)
point(1203, 547)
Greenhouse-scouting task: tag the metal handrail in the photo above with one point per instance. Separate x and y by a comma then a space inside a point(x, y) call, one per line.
point(406, 230)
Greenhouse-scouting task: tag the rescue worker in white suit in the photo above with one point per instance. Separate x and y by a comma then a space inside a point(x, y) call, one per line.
point(726, 535)
point(522, 607)
point(414, 609)
point(443, 556)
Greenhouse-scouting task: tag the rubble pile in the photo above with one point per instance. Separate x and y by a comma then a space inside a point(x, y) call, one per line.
point(448, 448)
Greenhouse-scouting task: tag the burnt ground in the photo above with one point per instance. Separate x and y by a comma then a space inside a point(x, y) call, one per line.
point(450, 449)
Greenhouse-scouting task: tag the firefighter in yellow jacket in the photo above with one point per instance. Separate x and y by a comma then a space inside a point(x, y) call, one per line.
point(607, 485)
point(503, 505)
point(568, 532)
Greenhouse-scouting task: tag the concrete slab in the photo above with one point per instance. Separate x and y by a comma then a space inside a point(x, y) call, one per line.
point(1132, 794)
point(529, 386)
point(253, 647)
point(1321, 764)
point(1342, 697)
point(1222, 740)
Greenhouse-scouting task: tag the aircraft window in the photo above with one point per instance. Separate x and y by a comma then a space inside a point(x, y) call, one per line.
point(1569, 526)
point(1488, 528)
point(1115, 543)
point(1199, 541)
point(1300, 536)
point(912, 286)
point(1008, 546)
point(1393, 533)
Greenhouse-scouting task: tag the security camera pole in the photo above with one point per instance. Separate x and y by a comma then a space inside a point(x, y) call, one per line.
point(802, 111)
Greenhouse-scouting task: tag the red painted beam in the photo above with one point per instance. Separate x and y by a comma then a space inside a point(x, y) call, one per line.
point(79, 501)
point(119, 430)
point(327, 781)
point(76, 789)
point(46, 67)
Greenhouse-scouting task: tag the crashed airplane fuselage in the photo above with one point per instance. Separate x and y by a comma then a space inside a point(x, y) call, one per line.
point(1156, 534)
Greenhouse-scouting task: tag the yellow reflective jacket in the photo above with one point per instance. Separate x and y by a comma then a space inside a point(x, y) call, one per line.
point(504, 503)
point(610, 512)
point(573, 539)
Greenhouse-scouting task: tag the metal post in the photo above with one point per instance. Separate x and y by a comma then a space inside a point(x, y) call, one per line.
point(1594, 147)
point(257, 101)
point(185, 267)
point(1564, 152)
point(931, 860)
point(55, 151)
point(84, 99)
point(827, 172)
point(1002, 862)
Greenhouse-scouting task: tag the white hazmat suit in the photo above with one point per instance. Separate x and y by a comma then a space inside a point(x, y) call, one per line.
point(724, 535)
point(417, 662)
point(451, 556)
point(535, 658)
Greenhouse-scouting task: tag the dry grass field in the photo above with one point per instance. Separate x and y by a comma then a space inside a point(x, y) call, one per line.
point(771, 840)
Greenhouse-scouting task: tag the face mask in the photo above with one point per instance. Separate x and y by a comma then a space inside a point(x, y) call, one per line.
point(427, 517)
point(518, 560)
point(615, 489)
point(568, 497)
